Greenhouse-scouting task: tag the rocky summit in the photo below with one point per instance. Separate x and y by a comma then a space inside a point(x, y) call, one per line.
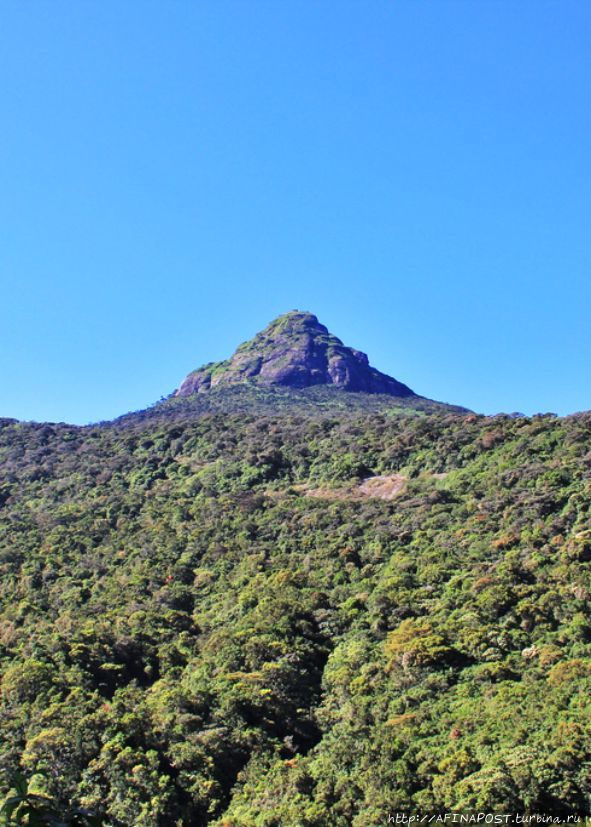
point(295, 351)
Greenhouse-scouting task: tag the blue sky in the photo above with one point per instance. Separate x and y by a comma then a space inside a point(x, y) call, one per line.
point(173, 175)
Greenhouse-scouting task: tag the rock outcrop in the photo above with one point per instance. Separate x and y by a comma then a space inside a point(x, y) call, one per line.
point(295, 351)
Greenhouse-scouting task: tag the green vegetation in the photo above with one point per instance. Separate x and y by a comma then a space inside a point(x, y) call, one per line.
point(275, 401)
point(25, 806)
point(187, 638)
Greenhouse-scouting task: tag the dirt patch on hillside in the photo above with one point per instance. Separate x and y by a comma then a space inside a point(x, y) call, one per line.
point(384, 487)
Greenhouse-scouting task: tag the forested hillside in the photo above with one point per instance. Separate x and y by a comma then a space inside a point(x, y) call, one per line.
point(210, 620)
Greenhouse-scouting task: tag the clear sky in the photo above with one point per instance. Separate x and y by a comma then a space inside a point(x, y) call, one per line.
point(173, 175)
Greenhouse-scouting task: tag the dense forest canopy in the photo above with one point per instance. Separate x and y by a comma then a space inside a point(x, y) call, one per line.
point(205, 620)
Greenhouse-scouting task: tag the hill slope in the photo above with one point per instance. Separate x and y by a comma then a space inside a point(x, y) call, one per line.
point(276, 401)
point(223, 620)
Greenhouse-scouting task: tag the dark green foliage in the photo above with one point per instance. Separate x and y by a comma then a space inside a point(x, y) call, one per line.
point(30, 809)
point(258, 400)
point(187, 638)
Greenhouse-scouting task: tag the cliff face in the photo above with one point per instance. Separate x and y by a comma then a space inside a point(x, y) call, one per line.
point(295, 351)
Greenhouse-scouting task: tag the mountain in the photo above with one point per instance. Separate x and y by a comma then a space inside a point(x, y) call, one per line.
point(295, 351)
point(262, 605)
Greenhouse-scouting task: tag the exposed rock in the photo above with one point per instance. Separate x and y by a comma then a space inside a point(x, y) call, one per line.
point(296, 351)
point(385, 487)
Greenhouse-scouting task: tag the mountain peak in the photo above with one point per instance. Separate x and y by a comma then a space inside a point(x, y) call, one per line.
point(297, 351)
